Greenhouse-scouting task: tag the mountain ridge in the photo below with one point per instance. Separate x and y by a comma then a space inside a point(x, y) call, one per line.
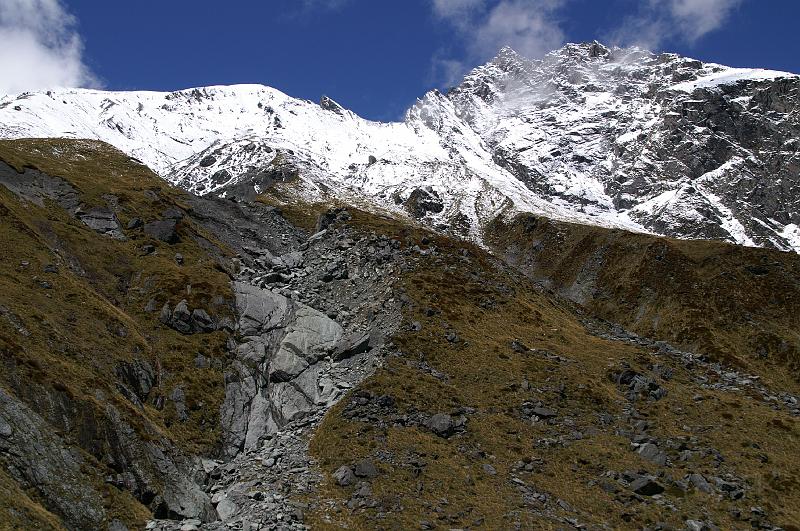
point(615, 137)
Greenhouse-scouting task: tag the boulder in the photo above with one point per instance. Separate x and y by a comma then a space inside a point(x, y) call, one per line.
point(226, 509)
point(286, 365)
point(101, 220)
point(651, 452)
point(344, 476)
point(700, 483)
point(365, 469)
point(544, 412)
point(201, 321)
point(351, 345)
point(646, 486)
point(181, 319)
point(260, 310)
point(441, 424)
point(164, 230)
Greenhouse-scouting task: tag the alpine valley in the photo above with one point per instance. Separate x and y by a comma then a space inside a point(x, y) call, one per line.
point(563, 294)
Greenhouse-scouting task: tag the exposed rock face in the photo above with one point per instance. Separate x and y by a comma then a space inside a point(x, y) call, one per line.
point(101, 220)
point(275, 377)
point(152, 470)
point(35, 186)
point(187, 321)
point(40, 460)
point(420, 202)
point(681, 147)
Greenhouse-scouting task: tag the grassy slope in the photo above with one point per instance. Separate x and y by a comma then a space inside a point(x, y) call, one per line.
point(92, 320)
point(736, 304)
point(451, 489)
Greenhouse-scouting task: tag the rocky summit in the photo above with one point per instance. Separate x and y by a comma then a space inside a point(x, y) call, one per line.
point(563, 294)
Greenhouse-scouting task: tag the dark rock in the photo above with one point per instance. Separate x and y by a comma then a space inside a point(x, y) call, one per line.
point(350, 346)
point(329, 105)
point(646, 486)
point(544, 413)
point(172, 213)
point(441, 424)
point(365, 469)
point(221, 177)
point(519, 346)
point(138, 376)
point(207, 161)
point(164, 230)
point(134, 223)
point(330, 217)
point(202, 321)
point(421, 202)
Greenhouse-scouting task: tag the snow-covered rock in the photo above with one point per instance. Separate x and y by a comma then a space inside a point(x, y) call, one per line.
point(614, 137)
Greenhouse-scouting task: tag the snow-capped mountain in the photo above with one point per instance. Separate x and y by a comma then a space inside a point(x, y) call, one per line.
point(614, 137)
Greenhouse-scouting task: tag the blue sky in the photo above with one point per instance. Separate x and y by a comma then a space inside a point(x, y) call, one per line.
point(373, 56)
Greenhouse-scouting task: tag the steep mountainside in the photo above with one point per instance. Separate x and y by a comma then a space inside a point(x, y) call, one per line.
point(612, 137)
point(263, 362)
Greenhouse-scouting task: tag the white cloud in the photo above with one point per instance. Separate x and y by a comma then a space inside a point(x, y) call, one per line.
point(530, 27)
point(662, 20)
point(698, 17)
point(527, 26)
point(458, 11)
point(40, 47)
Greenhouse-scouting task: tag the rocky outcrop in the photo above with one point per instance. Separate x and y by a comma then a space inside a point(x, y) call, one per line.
point(278, 372)
point(187, 321)
point(40, 460)
point(101, 220)
point(36, 187)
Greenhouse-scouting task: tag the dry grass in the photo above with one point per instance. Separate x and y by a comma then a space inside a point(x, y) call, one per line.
point(736, 304)
point(484, 373)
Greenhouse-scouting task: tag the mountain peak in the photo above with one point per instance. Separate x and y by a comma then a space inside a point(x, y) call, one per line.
point(507, 51)
point(598, 135)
